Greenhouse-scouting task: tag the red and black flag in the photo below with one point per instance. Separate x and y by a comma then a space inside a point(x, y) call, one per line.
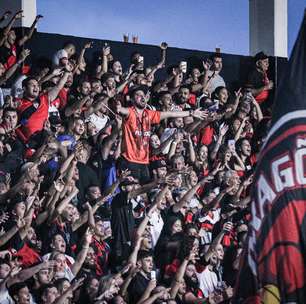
point(273, 266)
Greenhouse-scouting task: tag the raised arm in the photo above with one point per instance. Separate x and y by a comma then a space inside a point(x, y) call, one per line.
point(222, 131)
point(85, 47)
point(178, 278)
point(62, 205)
point(240, 130)
point(9, 73)
point(145, 188)
point(144, 223)
point(4, 238)
point(27, 37)
point(76, 267)
point(121, 110)
point(78, 104)
point(28, 221)
point(6, 30)
point(198, 113)
point(103, 68)
point(62, 299)
point(53, 93)
point(226, 228)
point(258, 110)
point(28, 273)
point(192, 154)
point(189, 194)
point(5, 16)
point(234, 106)
point(100, 102)
point(110, 140)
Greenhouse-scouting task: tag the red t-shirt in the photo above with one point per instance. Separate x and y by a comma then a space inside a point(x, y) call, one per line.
point(206, 135)
point(35, 121)
point(136, 135)
point(61, 101)
point(28, 256)
point(12, 57)
point(263, 96)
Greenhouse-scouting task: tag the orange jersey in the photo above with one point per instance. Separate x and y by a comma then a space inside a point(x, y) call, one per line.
point(136, 135)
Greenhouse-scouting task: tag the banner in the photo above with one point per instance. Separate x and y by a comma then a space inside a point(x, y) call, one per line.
point(273, 265)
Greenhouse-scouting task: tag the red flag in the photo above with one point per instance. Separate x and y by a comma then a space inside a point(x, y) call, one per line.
point(273, 265)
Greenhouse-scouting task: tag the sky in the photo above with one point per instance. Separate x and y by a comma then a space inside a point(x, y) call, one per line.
point(193, 24)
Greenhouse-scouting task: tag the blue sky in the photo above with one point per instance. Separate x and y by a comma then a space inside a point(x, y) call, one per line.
point(193, 24)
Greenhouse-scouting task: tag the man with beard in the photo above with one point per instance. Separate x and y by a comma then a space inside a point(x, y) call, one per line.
point(214, 78)
point(192, 284)
point(137, 127)
point(182, 98)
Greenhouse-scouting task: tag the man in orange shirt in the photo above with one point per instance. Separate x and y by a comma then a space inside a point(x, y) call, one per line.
point(137, 131)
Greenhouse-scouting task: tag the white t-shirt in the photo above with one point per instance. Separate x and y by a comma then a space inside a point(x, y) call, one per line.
point(166, 134)
point(208, 281)
point(98, 121)
point(214, 82)
point(58, 56)
point(156, 227)
point(5, 298)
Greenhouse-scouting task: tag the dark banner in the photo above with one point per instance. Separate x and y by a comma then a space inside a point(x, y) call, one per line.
point(273, 268)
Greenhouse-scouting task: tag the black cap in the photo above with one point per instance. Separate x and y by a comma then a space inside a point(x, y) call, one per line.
point(260, 56)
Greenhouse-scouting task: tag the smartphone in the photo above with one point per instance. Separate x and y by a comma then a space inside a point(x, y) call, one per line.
point(183, 66)
point(107, 225)
point(153, 275)
point(231, 144)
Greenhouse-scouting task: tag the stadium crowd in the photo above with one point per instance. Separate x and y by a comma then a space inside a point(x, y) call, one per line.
point(117, 187)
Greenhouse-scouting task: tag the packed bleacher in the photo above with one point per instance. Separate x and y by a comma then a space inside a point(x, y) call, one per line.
point(118, 187)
